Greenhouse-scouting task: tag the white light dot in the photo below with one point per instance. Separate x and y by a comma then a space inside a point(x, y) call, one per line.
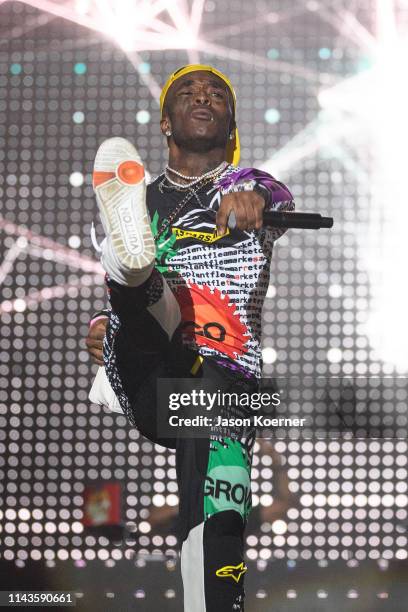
point(266, 500)
point(306, 500)
point(401, 501)
point(20, 305)
point(272, 115)
point(360, 500)
point(24, 514)
point(74, 242)
point(158, 500)
point(63, 554)
point(388, 501)
point(103, 554)
point(347, 500)
point(76, 179)
point(144, 527)
point(401, 553)
point(320, 500)
point(22, 242)
point(374, 501)
point(334, 355)
point(35, 555)
point(143, 116)
point(333, 500)
point(172, 500)
point(335, 291)
point(279, 527)
point(78, 117)
point(269, 355)
point(265, 554)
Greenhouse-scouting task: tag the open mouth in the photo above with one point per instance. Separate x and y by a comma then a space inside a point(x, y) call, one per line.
point(202, 114)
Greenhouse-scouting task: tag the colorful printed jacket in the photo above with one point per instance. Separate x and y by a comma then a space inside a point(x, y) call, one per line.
point(220, 282)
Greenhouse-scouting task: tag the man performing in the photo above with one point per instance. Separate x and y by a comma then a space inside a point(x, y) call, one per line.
point(186, 295)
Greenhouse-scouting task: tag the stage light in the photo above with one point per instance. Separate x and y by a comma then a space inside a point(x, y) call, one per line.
point(334, 355)
point(143, 116)
point(273, 54)
point(80, 68)
point(16, 69)
point(325, 53)
point(78, 117)
point(74, 242)
point(272, 115)
point(269, 355)
point(375, 101)
point(144, 68)
point(76, 179)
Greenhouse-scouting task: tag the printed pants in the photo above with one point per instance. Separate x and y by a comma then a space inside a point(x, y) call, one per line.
point(213, 473)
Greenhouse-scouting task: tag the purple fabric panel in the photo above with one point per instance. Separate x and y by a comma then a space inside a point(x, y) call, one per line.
point(279, 191)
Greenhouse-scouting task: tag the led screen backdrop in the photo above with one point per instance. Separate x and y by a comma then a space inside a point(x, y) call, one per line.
point(321, 109)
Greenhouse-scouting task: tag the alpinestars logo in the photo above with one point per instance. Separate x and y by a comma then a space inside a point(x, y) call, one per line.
point(232, 571)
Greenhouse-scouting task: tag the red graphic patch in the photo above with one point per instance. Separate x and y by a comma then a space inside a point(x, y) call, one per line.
point(102, 504)
point(210, 319)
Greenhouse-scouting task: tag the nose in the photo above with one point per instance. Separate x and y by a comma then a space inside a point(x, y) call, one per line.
point(202, 97)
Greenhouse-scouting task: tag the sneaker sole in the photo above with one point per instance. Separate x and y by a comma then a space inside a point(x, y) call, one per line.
point(120, 189)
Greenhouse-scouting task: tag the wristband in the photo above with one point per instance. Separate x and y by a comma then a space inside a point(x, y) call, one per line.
point(102, 314)
point(92, 321)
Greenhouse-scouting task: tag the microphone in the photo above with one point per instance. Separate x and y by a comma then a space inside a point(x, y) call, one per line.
point(298, 220)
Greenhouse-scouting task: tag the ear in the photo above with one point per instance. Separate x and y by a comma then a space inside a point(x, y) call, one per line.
point(232, 127)
point(165, 125)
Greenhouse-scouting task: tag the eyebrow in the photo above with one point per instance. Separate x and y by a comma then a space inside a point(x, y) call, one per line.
point(190, 82)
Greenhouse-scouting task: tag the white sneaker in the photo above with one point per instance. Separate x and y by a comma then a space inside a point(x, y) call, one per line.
point(128, 252)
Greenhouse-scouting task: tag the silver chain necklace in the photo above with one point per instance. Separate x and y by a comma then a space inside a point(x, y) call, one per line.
point(193, 179)
point(191, 193)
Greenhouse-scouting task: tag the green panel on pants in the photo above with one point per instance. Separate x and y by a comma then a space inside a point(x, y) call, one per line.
point(228, 481)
